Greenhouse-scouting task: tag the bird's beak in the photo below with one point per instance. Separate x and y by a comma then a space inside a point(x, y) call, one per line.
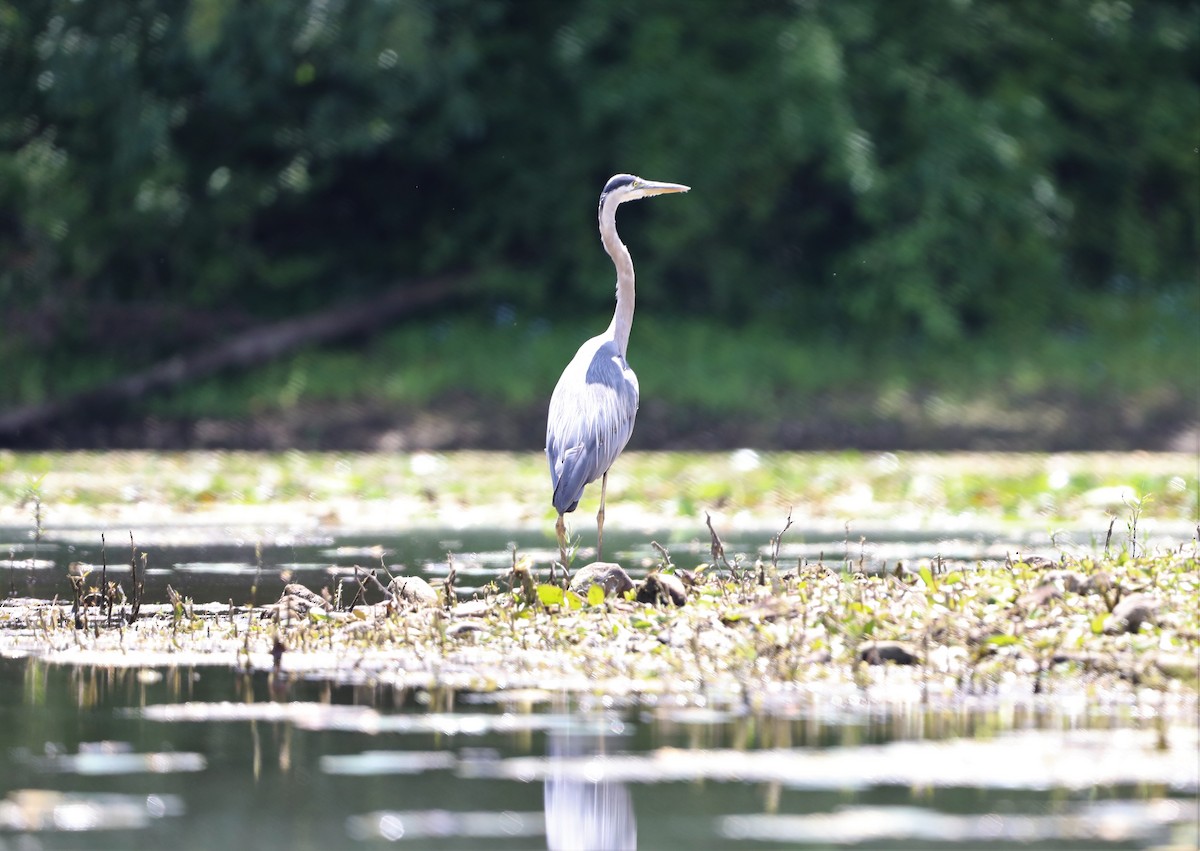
point(655, 187)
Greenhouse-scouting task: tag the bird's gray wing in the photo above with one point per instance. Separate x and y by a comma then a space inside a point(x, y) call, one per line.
point(591, 419)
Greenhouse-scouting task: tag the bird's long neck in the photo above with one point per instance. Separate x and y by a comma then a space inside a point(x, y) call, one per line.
point(622, 320)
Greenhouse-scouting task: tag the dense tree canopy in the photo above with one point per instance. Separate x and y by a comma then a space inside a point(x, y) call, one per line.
point(894, 168)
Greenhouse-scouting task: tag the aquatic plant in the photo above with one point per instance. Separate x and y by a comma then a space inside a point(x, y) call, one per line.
point(1121, 624)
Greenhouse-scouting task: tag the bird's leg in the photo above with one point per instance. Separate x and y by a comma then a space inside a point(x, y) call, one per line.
point(561, 528)
point(600, 519)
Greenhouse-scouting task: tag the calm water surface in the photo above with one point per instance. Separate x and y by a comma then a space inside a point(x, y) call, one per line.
point(212, 758)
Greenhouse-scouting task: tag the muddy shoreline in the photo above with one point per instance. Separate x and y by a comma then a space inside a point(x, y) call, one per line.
point(463, 422)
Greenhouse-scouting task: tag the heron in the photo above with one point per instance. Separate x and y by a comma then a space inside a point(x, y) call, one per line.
point(596, 399)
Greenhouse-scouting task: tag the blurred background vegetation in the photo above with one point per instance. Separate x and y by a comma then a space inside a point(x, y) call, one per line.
point(912, 224)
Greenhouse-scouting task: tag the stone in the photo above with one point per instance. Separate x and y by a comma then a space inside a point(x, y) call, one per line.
point(881, 652)
point(413, 590)
point(1129, 614)
point(296, 601)
point(1039, 597)
point(611, 577)
point(1068, 580)
point(661, 588)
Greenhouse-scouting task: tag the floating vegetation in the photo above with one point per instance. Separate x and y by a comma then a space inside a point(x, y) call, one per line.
point(191, 494)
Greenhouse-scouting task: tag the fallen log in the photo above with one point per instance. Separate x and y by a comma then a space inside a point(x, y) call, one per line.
point(247, 349)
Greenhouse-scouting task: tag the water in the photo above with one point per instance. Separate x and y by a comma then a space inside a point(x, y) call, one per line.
point(216, 564)
point(209, 756)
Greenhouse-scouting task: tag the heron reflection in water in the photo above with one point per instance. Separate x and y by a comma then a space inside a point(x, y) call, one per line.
point(596, 398)
point(584, 810)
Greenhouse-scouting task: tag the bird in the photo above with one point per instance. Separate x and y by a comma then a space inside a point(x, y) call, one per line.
point(595, 401)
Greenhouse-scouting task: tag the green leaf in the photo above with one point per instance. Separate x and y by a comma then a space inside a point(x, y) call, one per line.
point(638, 622)
point(595, 595)
point(1098, 623)
point(550, 595)
point(927, 577)
point(574, 601)
point(953, 578)
point(1001, 640)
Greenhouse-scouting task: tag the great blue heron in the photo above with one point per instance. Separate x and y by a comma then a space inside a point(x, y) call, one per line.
point(596, 398)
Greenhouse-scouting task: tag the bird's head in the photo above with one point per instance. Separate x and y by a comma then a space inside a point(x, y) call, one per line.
point(627, 187)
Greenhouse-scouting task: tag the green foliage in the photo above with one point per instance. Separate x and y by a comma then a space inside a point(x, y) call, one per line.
point(890, 170)
point(550, 595)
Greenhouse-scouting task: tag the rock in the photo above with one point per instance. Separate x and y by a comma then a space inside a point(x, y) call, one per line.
point(1097, 583)
point(1039, 597)
point(1068, 580)
point(1037, 562)
point(661, 588)
point(471, 609)
point(896, 652)
point(413, 590)
point(1129, 614)
point(296, 601)
point(295, 589)
point(611, 578)
point(466, 625)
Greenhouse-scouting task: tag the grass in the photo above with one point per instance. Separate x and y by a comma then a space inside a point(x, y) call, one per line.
point(704, 367)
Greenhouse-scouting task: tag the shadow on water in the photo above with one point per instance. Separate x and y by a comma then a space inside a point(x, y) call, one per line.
point(211, 757)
